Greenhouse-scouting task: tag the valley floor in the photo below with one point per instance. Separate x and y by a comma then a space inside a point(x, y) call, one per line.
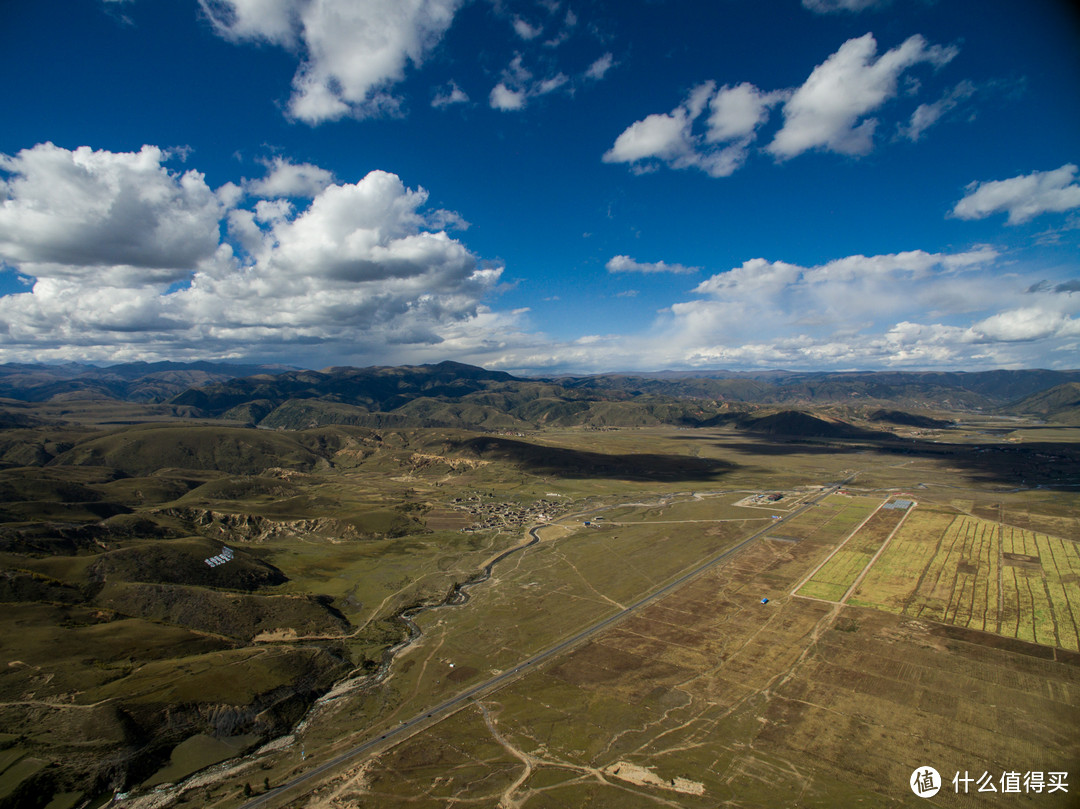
point(708, 696)
point(705, 618)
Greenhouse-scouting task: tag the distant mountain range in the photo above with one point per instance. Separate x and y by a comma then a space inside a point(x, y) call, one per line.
point(452, 394)
point(130, 382)
point(448, 394)
point(947, 390)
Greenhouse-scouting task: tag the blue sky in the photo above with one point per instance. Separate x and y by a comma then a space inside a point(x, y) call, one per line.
point(542, 185)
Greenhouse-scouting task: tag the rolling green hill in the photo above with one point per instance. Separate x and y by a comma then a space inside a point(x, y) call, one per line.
point(456, 395)
point(1059, 404)
point(795, 424)
point(452, 394)
point(908, 419)
point(144, 449)
point(445, 395)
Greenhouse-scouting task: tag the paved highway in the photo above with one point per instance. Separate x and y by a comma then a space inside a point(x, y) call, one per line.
point(307, 781)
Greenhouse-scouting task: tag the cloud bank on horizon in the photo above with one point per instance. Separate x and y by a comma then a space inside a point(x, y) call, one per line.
point(116, 254)
point(128, 264)
point(127, 257)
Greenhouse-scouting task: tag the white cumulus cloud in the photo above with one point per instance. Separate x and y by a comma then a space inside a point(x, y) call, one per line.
point(537, 69)
point(598, 69)
point(272, 21)
point(1023, 197)
point(503, 98)
point(627, 264)
point(518, 85)
point(287, 179)
point(913, 309)
point(359, 268)
point(828, 111)
point(352, 51)
point(910, 309)
point(449, 95)
point(1024, 325)
point(550, 84)
point(669, 139)
point(112, 215)
point(662, 135)
point(926, 115)
point(736, 112)
point(833, 6)
point(526, 31)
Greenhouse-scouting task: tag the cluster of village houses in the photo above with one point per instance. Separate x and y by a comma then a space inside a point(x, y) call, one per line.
point(496, 514)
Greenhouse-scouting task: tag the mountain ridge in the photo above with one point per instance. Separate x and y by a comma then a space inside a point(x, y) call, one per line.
point(458, 395)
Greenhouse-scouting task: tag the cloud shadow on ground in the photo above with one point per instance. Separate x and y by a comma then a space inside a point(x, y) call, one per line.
point(576, 463)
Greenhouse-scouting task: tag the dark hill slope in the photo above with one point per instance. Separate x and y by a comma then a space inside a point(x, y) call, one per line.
point(377, 389)
point(908, 419)
point(567, 462)
point(794, 424)
point(236, 615)
point(145, 449)
point(181, 562)
point(1060, 404)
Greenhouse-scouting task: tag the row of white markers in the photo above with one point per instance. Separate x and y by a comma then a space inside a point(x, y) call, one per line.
point(226, 555)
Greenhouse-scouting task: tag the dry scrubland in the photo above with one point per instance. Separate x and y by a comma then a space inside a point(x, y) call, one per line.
point(956, 649)
point(710, 698)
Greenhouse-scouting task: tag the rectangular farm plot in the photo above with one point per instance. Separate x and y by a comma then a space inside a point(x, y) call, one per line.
point(836, 576)
point(448, 519)
point(830, 521)
point(979, 574)
point(827, 591)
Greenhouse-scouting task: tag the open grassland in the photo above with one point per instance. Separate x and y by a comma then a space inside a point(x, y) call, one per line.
point(123, 642)
point(698, 507)
point(337, 531)
point(975, 573)
point(198, 752)
point(829, 520)
point(710, 698)
point(16, 769)
point(538, 597)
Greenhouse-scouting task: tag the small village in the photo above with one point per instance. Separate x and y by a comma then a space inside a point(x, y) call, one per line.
point(493, 514)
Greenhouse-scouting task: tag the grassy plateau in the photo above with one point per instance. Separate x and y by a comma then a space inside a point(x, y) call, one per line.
point(369, 575)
